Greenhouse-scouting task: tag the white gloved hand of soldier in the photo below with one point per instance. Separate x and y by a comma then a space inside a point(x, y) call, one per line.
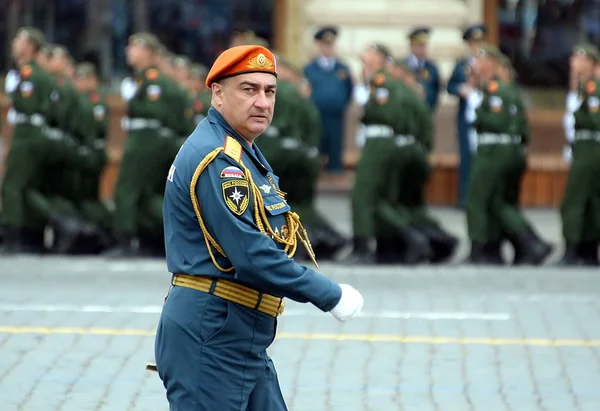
point(350, 305)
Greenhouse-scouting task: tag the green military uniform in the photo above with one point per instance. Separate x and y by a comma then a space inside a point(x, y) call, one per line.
point(31, 152)
point(583, 182)
point(498, 125)
point(375, 196)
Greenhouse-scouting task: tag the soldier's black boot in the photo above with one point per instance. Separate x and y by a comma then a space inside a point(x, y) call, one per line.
point(478, 255)
point(535, 251)
point(328, 242)
point(571, 257)
point(361, 252)
point(417, 248)
point(126, 247)
point(588, 252)
point(65, 232)
point(12, 242)
point(443, 244)
point(493, 250)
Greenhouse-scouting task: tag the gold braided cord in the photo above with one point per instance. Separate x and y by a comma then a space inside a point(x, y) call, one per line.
point(295, 228)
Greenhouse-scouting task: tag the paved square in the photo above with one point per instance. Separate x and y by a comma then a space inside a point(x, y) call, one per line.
point(76, 333)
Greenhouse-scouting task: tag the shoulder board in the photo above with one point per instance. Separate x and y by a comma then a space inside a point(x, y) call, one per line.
point(379, 79)
point(590, 86)
point(233, 148)
point(493, 86)
point(26, 71)
point(152, 74)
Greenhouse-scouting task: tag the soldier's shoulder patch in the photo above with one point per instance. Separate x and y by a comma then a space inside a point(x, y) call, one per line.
point(236, 194)
point(233, 148)
point(232, 172)
point(379, 79)
point(493, 86)
point(152, 74)
point(26, 71)
point(590, 86)
point(95, 98)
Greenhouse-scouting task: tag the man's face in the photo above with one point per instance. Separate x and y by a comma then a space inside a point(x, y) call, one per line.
point(43, 60)
point(370, 56)
point(247, 102)
point(419, 49)
point(326, 48)
point(58, 64)
point(134, 53)
point(19, 45)
point(580, 63)
point(597, 71)
point(85, 84)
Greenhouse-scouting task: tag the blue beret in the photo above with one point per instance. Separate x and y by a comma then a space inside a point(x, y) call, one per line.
point(476, 32)
point(419, 35)
point(326, 34)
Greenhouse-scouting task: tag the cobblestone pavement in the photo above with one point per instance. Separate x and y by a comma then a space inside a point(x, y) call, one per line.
point(75, 335)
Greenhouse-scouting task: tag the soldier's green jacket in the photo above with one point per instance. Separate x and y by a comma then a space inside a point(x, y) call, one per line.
point(65, 108)
point(497, 110)
point(200, 103)
point(311, 123)
point(149, 101)
point(587, 117)
point(32, 95)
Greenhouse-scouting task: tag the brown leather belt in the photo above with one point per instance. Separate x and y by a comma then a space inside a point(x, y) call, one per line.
point(233, 292)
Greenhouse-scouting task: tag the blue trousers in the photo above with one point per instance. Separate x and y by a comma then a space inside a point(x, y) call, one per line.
point(465, 155)
point(332, 140)
point(211, 355)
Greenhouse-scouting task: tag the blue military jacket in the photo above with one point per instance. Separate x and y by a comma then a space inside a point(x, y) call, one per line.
point(459, 76)
point(429, 77)
point(331, 89)
point(227, 206)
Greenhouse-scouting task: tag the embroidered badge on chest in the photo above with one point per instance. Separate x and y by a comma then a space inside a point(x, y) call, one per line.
point(236, 195)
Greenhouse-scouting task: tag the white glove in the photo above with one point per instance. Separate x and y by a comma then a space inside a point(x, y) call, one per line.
point(567, 154)
point(128, 88)
point(11, 116)
point(12, 81)
point(350, 305)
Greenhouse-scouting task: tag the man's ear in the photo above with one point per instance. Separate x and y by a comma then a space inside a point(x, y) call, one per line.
point(217, 93)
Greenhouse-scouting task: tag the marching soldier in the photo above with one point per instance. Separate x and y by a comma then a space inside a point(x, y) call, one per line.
point(147, 112)
point(460, 85)
point(332, 91)
point(201, 95)
point(30, 151)
point(580, 206)
point(426, 71)
point(374, 199)
point(497, 124)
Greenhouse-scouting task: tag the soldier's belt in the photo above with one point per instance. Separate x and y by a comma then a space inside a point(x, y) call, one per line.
point(35, 119)
point(130, 124)
point(402, 140)
point(484, 139)
point(289, 143)
point(378, 130)
point(233, 292)
point(587, 135)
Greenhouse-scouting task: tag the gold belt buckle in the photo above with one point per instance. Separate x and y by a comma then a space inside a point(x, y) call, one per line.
point(281, 307)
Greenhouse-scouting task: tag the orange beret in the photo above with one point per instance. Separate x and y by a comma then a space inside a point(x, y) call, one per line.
point(240, 60)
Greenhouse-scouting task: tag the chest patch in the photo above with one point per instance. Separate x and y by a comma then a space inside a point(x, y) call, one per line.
point(26, 88)
point(495, 103)
point(382, 95)
point(99, 112)
point(236, 195)
point(593, 103)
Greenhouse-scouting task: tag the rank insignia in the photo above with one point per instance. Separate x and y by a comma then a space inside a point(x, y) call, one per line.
point(590, 86)
point(236, 195)
point(265, 188)
point(152, 74)
point(26, 71)
point(342, 74)
point(232, 172)
point(379, 79)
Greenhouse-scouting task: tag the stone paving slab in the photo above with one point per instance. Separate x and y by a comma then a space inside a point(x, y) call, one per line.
point(76, 333)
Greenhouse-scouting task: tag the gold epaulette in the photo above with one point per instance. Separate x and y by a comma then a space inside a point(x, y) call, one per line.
point(233, 149)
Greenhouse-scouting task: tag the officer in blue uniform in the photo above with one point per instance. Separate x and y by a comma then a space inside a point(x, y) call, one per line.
point(332, 86)
point(459, 85)
point(425, 70)
point(229, 237)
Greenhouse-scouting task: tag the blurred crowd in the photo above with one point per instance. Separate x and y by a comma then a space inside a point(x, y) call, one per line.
point(50, 190)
